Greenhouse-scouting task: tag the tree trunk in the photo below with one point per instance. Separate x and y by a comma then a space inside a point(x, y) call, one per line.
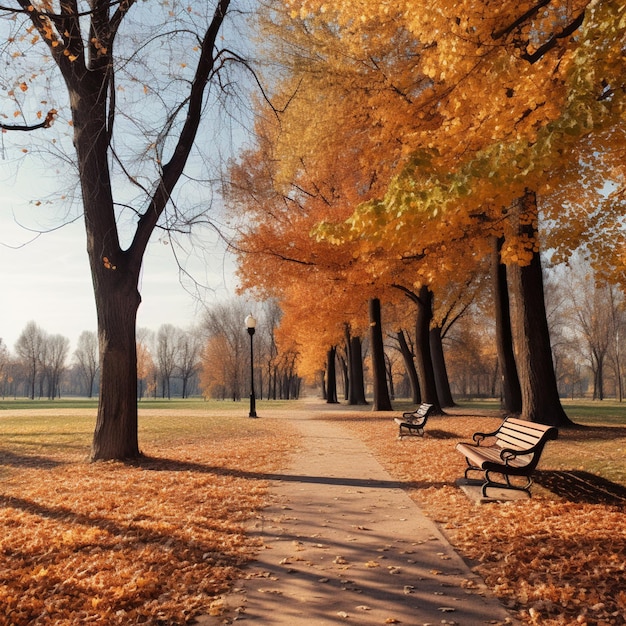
point(598, 377)
point(382, 401)
point(357, 381)
point(442, 381)
point(540, 398)
point(511, 391)
point(423, 357)
point(409, 365)
point(115, 435)
point(331, 377)
point(115, 276)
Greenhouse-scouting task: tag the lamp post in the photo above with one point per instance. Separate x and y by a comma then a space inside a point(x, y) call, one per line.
point(251, 325)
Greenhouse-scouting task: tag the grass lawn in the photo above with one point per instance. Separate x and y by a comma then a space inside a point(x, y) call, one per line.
point(160, 541)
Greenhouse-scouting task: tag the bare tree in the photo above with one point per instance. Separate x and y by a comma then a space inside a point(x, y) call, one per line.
point(591, 319)
point(29, 348)
point(167, 344)
point(57, 348)
point(189, 349)
point(135, 121)
point(86, 356)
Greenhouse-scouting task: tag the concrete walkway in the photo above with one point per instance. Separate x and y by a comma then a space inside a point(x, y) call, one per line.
point(345, 544)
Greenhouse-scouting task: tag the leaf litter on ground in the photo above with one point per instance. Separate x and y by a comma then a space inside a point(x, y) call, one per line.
point(553, 562)
point(155, 542)
point(160, 541)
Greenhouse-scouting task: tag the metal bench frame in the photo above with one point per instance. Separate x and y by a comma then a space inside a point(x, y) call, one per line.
point(514, 449)
point(413, 422)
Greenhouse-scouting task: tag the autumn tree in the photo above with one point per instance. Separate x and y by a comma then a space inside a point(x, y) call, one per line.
point(296, 176)
point(146, 370)
point(135, 114)
point(450, 189)
point(225, 360)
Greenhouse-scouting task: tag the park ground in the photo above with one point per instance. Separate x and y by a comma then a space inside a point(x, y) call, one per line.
point(163, 540)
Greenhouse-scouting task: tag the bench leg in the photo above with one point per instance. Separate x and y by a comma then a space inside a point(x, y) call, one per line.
point(507, 484)
point(472, 468)
point(415, 431)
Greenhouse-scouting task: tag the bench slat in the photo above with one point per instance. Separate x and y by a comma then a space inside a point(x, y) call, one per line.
point(528, 426)
point(481, 455)
point(508, 438)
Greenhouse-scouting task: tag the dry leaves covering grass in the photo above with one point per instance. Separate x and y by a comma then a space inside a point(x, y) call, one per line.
point(156, 542)
point(551, 560)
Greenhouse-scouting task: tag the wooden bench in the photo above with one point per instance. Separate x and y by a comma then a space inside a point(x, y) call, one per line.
point(413, 422)
point(514, 449)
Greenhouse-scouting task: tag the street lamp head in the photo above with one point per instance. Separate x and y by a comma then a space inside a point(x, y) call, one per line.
point(250, 324)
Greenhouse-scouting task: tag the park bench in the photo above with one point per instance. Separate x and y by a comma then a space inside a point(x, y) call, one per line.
point(413, 422)
point(514, 449)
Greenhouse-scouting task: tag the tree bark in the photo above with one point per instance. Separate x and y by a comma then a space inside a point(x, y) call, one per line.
point(442, 382)
point(357, 382)
point(423, 356)
point(331, 377)
point(511, 390)
point(115, 435)
point(382, 401)
point(540, 398)
point(409, 365)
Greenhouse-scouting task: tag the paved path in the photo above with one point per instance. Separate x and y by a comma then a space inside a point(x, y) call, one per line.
point(344, 544)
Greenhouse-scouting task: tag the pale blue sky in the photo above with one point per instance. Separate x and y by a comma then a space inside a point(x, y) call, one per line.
point(47, 280)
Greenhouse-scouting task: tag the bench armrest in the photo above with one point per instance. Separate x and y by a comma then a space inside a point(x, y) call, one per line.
point(479, 437)
point(509, 454)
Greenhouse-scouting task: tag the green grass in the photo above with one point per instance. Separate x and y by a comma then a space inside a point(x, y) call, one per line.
point(146, 403)
point(587, 412)
point(172, 422)
point(599, 449)
point(8, 404)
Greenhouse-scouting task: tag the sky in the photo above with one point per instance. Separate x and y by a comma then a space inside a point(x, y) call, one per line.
point(47, 280)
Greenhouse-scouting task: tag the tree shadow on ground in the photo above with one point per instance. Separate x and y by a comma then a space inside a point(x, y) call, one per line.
point(12, 459)
point(160, 464)
point(582, 432)
point(581, 486)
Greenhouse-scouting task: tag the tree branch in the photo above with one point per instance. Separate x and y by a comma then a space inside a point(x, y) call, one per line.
point(551, 43)
point(174, 168)
point(45, 124)
point(507, 30)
